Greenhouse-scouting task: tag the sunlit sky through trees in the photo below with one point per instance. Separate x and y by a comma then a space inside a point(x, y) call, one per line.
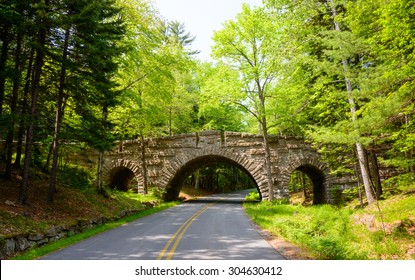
point(202, 17)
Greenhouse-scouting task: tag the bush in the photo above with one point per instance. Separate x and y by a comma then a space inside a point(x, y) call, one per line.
point(253, 196)
point(157, 192)
point(398, 184)
point(74, 177)
point(325, 230)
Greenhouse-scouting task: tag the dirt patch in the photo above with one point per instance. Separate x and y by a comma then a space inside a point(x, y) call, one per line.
point(37, 214)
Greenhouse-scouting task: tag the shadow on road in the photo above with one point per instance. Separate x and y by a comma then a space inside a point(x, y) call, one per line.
point(237, 197)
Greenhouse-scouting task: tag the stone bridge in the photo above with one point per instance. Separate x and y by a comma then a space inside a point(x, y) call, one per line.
point(170, 160)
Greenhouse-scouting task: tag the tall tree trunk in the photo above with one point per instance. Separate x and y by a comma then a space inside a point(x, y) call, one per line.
point(235, 177)
point(5, 38)
point(197, 180)
point(170, 121)
point(359, 147)
point(410, 154)
point(39, 62)
point(31, 129)
point(303, 185)
point(23, 111)
point(143, 147)
point(374, 174)
point(143, 163)
point(13, 106)
point(100, 183)
point(263, 121)
point(58, 118)
point(268, 162)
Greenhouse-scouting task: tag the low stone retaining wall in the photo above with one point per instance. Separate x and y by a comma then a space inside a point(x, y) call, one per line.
point(20, 243)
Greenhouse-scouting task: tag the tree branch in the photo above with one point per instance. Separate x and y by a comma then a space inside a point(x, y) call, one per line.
point(249, 110)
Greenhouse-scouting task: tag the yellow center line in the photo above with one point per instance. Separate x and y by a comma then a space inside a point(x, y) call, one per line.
point(179, 234)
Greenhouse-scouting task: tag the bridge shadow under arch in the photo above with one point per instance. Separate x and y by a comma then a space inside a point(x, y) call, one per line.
point(120, 178)
point(318, 182)
point(177, 181)
point(122, 175)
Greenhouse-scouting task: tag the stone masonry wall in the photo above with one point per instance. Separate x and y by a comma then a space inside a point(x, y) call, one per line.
point(20, 243)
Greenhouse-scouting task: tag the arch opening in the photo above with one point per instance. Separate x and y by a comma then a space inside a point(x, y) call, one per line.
point(307, 185)
point(214, 174)
point(121, 178)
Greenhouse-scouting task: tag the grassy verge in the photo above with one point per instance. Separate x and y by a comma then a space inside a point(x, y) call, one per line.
point(329, 232)
point(35, 253)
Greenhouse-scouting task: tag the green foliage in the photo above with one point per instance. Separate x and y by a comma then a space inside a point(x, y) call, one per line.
point(217, 107)
point(348, 195)
point(248, 50)
point(401, 183)
point(333, 233)
point(252, 196)
point(158, 95)
point(74, 176)
point(158, 193)
point(220, 177)
point(58, 83)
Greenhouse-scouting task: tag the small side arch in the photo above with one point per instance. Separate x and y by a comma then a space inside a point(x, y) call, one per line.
point(317, 172)
point(118, 174)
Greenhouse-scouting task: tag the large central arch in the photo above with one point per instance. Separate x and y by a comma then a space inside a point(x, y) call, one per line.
point(176, 182)
point(186, 165)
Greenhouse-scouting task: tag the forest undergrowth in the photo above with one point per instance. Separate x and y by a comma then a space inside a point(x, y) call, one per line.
point(346, 232)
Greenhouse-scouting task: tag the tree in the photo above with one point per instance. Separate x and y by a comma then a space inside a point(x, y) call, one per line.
point(40, 39)
point(154, 78)
point(364, 167)
point(216, 110)
point(387, 28)
point(334, 55)
point(42, 21)
point(15, 23)
point(245, 45)
point(181, 98)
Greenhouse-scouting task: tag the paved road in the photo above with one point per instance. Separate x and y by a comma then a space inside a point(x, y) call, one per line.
point(214, 227)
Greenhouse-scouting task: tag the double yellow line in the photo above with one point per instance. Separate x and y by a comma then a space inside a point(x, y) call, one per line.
point(177, 236)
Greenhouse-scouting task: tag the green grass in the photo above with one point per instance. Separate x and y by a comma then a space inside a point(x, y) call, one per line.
point(330, 232)
point(395, 208)
point(37, 252)
point(252, 197)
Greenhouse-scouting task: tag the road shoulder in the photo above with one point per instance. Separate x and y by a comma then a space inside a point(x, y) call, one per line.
point(285, 248)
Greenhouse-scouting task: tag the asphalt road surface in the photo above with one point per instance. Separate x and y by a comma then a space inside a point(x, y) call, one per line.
point(211, 228)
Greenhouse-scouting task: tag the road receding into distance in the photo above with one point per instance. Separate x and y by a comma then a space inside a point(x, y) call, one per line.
point(211, 228)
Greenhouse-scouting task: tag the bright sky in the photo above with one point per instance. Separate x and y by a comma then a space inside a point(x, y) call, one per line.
point(202, 17)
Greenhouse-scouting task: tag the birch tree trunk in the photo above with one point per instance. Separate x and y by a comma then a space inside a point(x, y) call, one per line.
point(359, 147)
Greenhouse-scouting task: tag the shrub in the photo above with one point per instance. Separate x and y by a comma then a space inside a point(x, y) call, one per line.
point(74, 177)
point(253, 196)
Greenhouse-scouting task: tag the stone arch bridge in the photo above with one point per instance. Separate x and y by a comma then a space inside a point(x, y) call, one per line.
point(170, 160)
